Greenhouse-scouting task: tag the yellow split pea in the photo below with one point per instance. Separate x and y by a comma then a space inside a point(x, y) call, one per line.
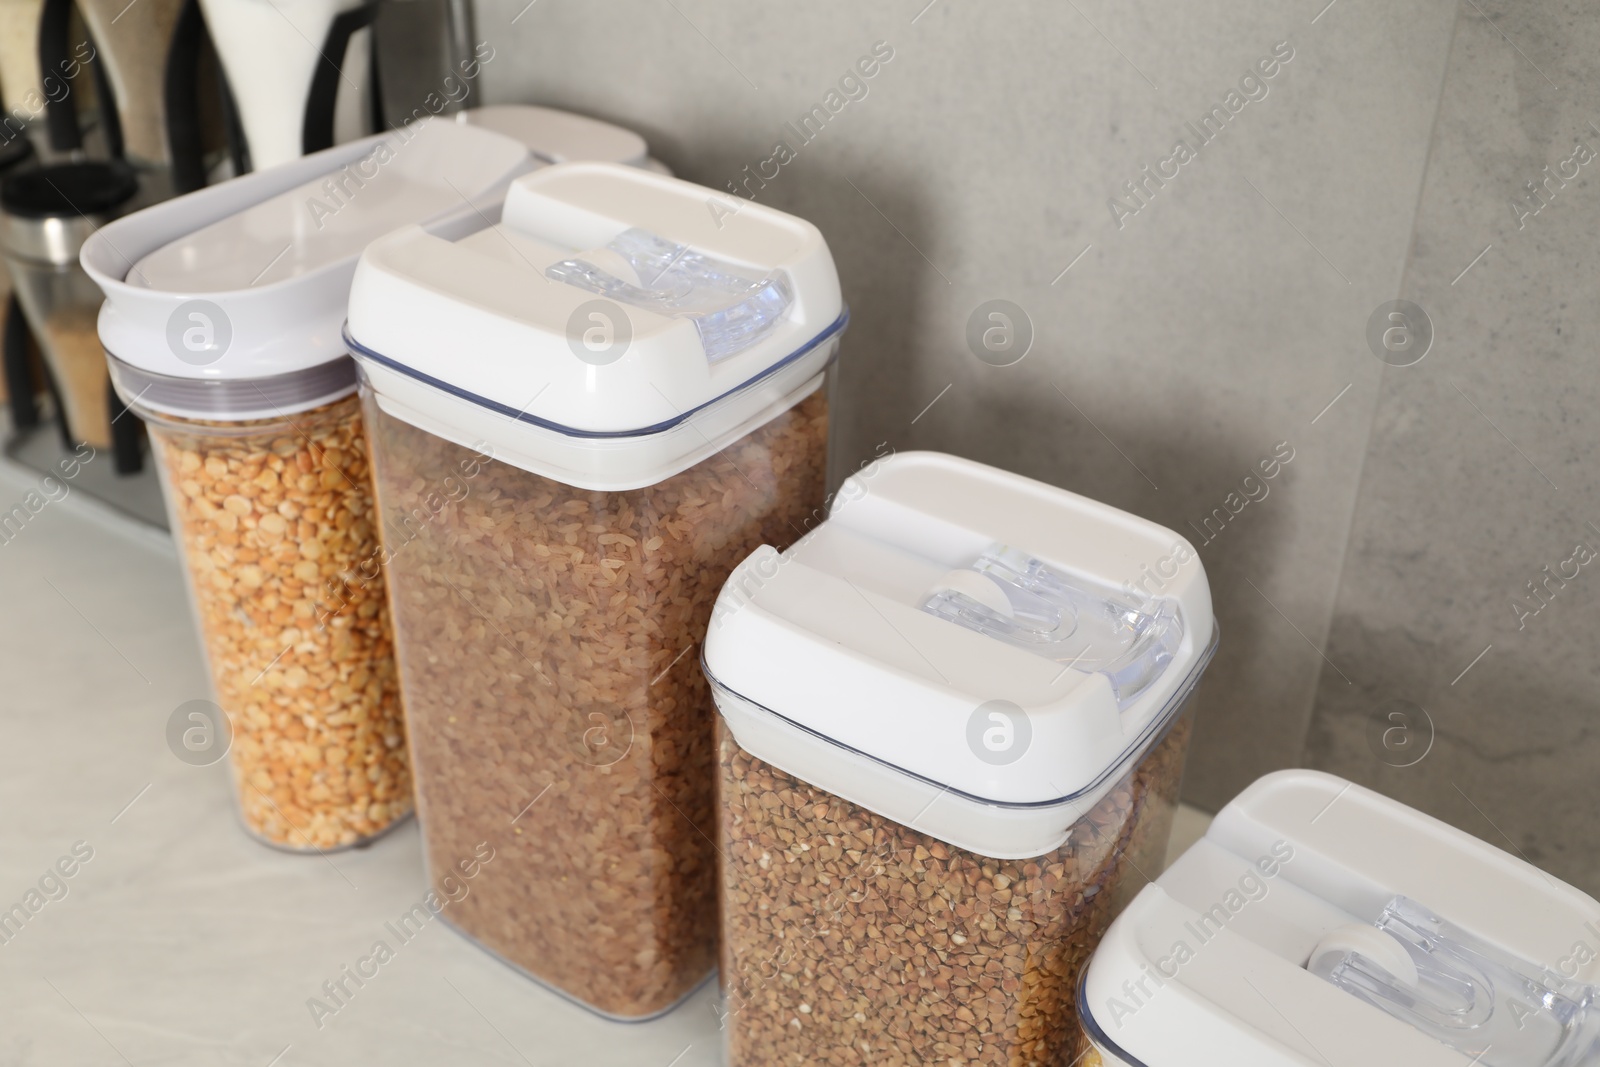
point(275, 519)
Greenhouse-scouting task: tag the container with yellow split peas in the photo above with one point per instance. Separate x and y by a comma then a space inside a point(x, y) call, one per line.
point(222, 331)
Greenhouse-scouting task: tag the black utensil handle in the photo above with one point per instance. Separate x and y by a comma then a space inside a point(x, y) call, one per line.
point(317, 131)
point(110, 111)
point(20, 385)
point(61, 116)
point(181, 95)
point(127, 437)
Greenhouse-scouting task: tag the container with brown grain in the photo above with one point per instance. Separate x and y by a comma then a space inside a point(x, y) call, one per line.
point(950, 751)
point(623, 411)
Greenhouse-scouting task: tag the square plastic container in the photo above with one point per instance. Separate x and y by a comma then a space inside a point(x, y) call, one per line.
point(581, 420)
point(222, 323)
point(1318, 922)
point(953, 738)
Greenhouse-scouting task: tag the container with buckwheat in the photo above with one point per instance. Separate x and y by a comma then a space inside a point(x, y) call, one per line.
point(582, 419)
point(952, 731)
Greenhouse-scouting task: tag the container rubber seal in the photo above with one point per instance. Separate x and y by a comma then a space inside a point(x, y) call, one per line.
point(232, 399)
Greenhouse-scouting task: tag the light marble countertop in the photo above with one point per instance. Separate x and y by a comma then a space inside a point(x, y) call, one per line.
point(181, 940)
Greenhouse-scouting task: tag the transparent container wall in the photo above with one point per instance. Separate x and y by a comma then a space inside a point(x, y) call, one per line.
point(548, 643)
point(62, 305)
point(274, 523)
point(849, 938)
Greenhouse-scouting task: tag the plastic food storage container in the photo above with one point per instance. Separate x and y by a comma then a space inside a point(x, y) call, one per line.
point(222, 324)
point(954, 733)
point(46, 215)
point(563, 136)
point(560, 136)
point(581, 420)
point(1320, 923)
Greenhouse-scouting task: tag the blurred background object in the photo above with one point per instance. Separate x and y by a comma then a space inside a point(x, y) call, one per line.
point(132, 42)
point(46, 213)
point(300, 72)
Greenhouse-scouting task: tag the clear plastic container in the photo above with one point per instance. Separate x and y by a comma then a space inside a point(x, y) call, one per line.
point(558, 520)
point(1319, 922)
point(951, 751)
point(547, 641)
point(274, 524)
point(221, 326)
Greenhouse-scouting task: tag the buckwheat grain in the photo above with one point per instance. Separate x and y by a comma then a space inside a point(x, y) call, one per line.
point(850, 939)
point(548, 641)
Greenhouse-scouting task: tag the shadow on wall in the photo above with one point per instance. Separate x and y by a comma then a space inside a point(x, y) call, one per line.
point(897, 255)
point(879, 358)
point(1232, 518)
point(1490, 751)
point(1214, 488)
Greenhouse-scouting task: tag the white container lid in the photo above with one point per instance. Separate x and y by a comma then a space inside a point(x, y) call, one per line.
point(560, 136)
point(872, 660)
point(612, 330)
point(247, 281)
point(1211, 965)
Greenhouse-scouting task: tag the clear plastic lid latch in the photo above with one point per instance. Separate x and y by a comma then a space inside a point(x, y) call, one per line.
point(1031, 605)
point(1478, 999)
point(730, 308)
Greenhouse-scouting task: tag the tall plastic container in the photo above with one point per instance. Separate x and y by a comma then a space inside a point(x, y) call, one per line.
point(222, 324)
point(581, 420)
point(1318, 922)
point(46, 215)
point(954, 730)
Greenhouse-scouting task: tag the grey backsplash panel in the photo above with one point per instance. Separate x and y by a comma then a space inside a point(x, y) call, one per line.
point(1176, 347)
point(1480, 474)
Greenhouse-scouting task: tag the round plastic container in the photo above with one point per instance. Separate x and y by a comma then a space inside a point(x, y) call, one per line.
point(222, 327)
point(46, 214)
point(951, 752)
point(1318, 922)
point(581, 420)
